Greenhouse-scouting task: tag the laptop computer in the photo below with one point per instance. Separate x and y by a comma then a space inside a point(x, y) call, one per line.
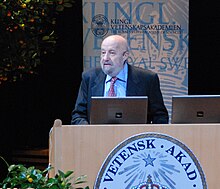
point(196, 109)
point(119, 110)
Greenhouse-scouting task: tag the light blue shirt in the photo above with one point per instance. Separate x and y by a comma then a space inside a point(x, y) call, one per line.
point(120, 84)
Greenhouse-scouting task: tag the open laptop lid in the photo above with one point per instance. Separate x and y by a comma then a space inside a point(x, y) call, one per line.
point(196, 109)
point(119, 110)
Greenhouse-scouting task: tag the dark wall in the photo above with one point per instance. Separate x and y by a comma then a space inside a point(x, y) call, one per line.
point(204, 47)
point(28, 108)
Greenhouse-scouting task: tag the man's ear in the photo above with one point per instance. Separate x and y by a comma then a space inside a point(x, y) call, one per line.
point(125, 55)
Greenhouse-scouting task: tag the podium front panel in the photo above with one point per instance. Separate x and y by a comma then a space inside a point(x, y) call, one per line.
point(85, 148)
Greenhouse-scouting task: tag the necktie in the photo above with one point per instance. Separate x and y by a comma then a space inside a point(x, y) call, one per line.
point(111, 91)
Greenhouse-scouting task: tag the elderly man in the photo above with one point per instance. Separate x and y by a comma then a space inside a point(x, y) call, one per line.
point(130, 81)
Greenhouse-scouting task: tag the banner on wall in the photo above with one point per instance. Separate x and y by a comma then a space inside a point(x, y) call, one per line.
point(157, 33)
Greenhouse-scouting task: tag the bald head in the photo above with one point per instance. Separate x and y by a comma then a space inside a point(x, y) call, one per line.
point(114, 53)
point(120, 41)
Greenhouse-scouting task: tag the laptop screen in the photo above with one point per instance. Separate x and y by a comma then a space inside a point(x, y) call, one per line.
point(196, 109)
point(119, 110)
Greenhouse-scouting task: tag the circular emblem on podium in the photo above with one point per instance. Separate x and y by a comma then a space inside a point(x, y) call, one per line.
point(151, 161)
point(99, 25)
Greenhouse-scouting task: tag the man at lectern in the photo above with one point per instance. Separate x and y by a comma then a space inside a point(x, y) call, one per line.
point(131, 81)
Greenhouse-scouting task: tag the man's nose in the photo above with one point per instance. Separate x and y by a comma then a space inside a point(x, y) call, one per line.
point(106, 56)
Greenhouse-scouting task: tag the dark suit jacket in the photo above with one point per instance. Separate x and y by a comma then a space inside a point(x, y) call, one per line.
point(140, 82)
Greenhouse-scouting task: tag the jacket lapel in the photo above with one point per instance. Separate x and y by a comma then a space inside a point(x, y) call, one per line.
point(132, 82)
point(98, 85)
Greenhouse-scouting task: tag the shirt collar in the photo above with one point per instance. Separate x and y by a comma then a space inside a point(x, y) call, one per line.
point(122, 76)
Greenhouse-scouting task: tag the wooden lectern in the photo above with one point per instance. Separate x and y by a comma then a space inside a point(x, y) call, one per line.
point(84, 148)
